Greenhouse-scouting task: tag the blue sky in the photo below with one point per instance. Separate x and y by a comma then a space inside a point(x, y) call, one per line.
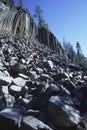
point(66, 19)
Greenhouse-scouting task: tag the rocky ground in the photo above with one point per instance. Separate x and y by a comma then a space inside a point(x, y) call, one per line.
point(40, 90)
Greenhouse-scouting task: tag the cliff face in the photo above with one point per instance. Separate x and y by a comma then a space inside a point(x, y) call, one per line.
point(39, 90)
point(19, 22)
point(50, 40)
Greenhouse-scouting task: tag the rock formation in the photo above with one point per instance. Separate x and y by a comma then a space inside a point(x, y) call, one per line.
point(17, 21)
point(39, 90)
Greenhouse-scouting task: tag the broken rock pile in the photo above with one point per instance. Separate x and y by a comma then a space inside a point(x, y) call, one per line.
point(38, 89)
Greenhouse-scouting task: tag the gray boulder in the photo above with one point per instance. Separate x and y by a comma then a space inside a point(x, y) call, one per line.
point(5, 80)
point(17, 90)
point(19, 81)
point(10, 118)
point(61, 114)
point(32, 123)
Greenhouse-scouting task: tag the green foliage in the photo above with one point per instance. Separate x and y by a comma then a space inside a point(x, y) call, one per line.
point(76, 57)
point(39, 17)
point(78, 51)
point(20, 3)
point(68, 50)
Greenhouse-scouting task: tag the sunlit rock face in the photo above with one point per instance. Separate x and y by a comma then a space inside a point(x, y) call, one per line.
point(3, 7)
point(18, 22)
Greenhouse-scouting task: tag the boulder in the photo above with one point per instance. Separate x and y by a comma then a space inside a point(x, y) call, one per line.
point(17, 90)
point(45, 77)
point(32, 123)
point(2, 104)
point(48, 64)
point(61, 114)
point(74, 67)
point(17, 68)
point(5, 80)
point(9, 100)
point(52, 90)
point(19, 81)
point(10, 118)
point(23, 76)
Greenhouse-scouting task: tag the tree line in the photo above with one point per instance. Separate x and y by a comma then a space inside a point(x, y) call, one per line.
point(75, 55)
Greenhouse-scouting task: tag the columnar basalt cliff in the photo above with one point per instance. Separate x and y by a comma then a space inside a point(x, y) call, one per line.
point(39, 89)
point(20, 23)
point(50, 40)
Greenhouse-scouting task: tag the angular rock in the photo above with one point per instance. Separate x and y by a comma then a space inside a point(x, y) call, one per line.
point(74, 67)
point(22, 103)
point(17, 90)
point(9, 100)
point(84, 121)
point(19, 81)
point(39, 70)
point(18, 68)
point(31, 112)
point(52, 90)
point(33, 76)
point(5, 80)
point(45, 77)
point(2, 104)
point(32, 123)
point(10, 118)
point(24, 76)
point(61, 114)
point(48, 64)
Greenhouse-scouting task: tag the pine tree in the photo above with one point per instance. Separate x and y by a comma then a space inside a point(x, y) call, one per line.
point(11, 3)
point(78, 49)
point(20, 3)
point(4, 1)
point(39, 15)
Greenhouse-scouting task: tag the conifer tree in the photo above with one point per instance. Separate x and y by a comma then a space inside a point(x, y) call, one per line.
point(78, 49)
point(11, 3)
point(20, 3)
point(39, 17)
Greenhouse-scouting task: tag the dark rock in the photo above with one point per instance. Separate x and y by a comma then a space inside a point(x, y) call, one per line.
point(32, 123)
point(5, 80)
point(68, 84)
point(48, 64)
point(45, 84)
point(59, 76)
point(33, 75)
point(61, 114)
point(39, 70)
point(84, 120)
point(17, 68)
point(2, 104)
point(52, 90)
point(31, 112)
point(45, 77)
point(9, 100)
point(10, 118)
point(74, 67)
point(22, 103)
point(17, 90)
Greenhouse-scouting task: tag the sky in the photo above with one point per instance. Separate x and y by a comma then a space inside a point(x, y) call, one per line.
point(67, 19)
